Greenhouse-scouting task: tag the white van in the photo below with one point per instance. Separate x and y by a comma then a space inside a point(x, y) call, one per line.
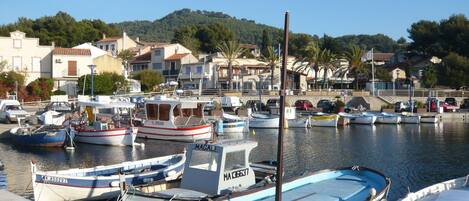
point(11, 111)
point(231, 103)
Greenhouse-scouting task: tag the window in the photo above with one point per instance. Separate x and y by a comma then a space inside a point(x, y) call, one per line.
point(113, 47)
point(72, 68)
point(187, 70)
point(199, 69)
point(17, 62)
point(173, 66)
point(152, 111)
point(164, 112)
point(157, 66)
point(198, 111)
point(35, 64)
point(204, 160)
point(17, 43)
point(107, 47)
point(101, 47)
point(235, 160)
point(157, 53)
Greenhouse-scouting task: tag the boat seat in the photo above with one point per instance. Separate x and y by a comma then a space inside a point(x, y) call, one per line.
point(180, 121)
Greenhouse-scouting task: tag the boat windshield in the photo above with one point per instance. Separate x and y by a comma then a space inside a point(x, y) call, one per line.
point(235, 160)
point(204, 160)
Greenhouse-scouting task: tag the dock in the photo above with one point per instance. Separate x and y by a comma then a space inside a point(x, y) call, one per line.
point(7, 195)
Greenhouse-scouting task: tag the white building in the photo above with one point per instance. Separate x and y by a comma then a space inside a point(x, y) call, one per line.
point(26, 55)
point(114, 45)
point(68, 65)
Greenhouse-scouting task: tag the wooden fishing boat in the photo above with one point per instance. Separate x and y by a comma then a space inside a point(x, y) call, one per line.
point(106, 122)
point(410, 118)
point(233, 124)
point(258, 120)
point(452, 190)
point(102, 182)
point(175, 119)
point(324, 120)
point(42, 136)
point(227, 175)
point(432, 119)
point(387, 118)
point(360, 118)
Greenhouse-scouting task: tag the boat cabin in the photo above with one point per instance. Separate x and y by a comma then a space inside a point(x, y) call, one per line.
point(174, 113)
point(106, 115)
point(214, 169)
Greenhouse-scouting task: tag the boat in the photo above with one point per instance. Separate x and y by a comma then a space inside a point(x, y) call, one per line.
point(233, 124)
point(410, 118)
point(360, 118)
point(429, 119)
point(106, 122)
point(41, 136)
point(454, 190)
point(324, 120)
point(102, 182)
point(259, 120)
point(175, 119)
point(3, 178)
point(52, 118)
point(387, 118)
point(236, 179)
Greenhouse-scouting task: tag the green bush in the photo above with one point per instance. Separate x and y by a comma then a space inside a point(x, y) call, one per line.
point(59, 92)
point(104, 84)
point(149, 79)
point(41, 88)
point(8, 78)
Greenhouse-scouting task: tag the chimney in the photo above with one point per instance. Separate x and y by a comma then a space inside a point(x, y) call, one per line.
point(137, 39)
point(104, 35)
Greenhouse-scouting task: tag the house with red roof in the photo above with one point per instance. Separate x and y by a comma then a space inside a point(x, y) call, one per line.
point(116, 44)
point(68, 64)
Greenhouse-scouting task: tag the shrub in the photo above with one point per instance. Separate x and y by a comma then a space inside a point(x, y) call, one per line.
point(59, 92)
point(41, 88)
point(149, 79)
point(104, 84)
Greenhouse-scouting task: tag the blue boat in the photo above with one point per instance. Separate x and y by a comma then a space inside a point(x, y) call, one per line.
point(3, 178)
point(227, 175)
point(43, 136)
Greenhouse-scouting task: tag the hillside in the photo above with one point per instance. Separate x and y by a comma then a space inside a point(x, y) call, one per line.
point(247, 31)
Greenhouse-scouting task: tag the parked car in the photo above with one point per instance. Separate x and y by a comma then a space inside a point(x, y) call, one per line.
point(63, 107)
point(404, 106)
point(448, 108)
point(465, 104)
point(451, 101)
point(256, 105)
point(11, 111)
point(304, 105)
point(273, 103)
point(231, 103)
point(326, 105)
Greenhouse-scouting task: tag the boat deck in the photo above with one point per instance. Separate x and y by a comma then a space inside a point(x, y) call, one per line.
point(458, 194)
point(343, 188)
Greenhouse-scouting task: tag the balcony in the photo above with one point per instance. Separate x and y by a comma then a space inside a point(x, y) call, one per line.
point(170, 72)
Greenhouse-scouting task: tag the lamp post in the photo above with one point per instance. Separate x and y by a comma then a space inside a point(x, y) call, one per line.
point(92, 66)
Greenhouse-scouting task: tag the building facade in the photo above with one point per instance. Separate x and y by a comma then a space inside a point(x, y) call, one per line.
point(114, 45)
point(25, 55)
point(68, 65)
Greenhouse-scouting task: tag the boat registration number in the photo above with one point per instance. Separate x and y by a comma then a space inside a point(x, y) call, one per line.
point(235, 174)
point(54, 179)
point(205, 147)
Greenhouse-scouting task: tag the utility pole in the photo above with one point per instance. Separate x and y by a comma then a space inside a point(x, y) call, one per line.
point(92, 66)
point(372, 72)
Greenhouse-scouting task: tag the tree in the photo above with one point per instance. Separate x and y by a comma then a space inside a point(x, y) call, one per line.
point(266, 42)
point(354, 57)
point(149, 79)
point(231, 50)
point(126, 56)
point(455, 69)
point(186, 37)
point(331, 44)
point(104, 84)
point(210, 36)
point(41, 88)
point(382, 74)
point(310, 60)
point(430, 76)
point(272, 58)
point(327, 63)
point(297, 43)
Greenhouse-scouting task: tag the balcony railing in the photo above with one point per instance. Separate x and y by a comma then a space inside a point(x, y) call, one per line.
point(170, 72)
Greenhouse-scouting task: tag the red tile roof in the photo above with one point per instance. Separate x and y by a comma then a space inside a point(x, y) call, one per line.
point(110, 39)
point(71, 51)
point(176, 56)
point(381, 56)
point(142, 58)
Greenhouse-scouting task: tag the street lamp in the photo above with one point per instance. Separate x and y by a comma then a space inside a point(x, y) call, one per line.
point(92, 66)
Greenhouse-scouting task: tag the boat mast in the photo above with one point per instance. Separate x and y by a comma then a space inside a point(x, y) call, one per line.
point(283, 73)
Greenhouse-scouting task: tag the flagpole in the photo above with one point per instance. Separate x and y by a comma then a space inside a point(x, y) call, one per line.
point(372, 72)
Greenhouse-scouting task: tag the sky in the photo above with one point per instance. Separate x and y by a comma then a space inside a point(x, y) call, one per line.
point(331, 17)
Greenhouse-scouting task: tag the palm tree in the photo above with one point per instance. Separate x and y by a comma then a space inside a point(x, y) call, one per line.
point(272, 58)
point(327, 61)
point(354, 56)
point(231, 50)
point(310, 60)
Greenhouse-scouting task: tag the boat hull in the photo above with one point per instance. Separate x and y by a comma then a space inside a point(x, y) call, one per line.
point(429, 119)
point(264, 123)
point(410, 119)
point(115, 137)
point(368, 120)
point(188, 134)
point(41, 139)
point(234, 127)
point(51, 186)
point(325, 121)
point(298, 123)
point(442, 190)
point(388, 119)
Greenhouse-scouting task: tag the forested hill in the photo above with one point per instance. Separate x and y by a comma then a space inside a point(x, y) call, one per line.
point(247, 31)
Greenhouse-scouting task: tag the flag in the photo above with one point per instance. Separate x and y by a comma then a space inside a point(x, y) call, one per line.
point(368, 56)
point(190, 76)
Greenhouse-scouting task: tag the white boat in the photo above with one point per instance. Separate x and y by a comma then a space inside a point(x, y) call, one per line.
point(360, 118)
point(410, 119)
point(233, 124)
point(387, 118)
point(429, 119)
point(263, 121)
point(102, 182)
point(324, 120)
point(103, 122)
point(452, 190)
point(175, 119)
point(299, 122)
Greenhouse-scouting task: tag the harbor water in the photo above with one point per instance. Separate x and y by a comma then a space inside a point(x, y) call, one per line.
point(413, 156)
